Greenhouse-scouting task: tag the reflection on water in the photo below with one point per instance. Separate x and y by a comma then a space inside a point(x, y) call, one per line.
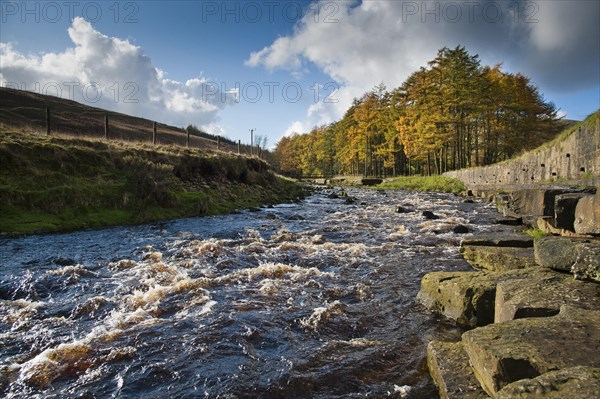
point(310, 300)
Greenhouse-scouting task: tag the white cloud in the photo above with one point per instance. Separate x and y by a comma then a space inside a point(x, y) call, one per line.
point(296, 127)
point(112, 73)
point(554, 42)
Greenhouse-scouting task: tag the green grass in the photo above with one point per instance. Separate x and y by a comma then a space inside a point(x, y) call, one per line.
point(52, 184)
point(425, 183)
point(535, 233)
point(589, 121)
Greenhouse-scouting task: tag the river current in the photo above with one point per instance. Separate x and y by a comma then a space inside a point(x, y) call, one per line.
point(308, 300)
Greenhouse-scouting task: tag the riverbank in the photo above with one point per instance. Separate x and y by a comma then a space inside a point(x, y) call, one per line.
point(530, 303)
point(414, 183)
point(58, 184)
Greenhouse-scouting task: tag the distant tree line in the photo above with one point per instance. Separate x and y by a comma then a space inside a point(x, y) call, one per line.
point(452, 114)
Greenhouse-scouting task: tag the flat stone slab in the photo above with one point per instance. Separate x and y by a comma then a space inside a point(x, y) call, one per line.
point(573, 382)
point(543, 297)
point(450, 370)
point(580, 256)
point(503, 353)
point(500, 240)
point(498, 258)
point(469, 297)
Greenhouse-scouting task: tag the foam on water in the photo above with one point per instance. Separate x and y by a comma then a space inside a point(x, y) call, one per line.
point(311, 300)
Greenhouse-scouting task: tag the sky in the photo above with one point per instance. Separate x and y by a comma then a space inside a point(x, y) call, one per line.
point(284, 66)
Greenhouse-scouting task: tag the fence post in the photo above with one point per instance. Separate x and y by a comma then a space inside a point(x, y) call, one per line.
point(218, 143)
point(47, 121)
point(153, 132)
point(239, 145)
point(187, 139)
point(106, 126)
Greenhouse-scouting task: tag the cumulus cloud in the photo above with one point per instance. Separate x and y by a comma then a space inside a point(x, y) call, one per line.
point(360, 44)
point(111, 73)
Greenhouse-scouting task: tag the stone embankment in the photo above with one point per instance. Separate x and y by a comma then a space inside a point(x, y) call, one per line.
point(573, 156)
point(531, 305)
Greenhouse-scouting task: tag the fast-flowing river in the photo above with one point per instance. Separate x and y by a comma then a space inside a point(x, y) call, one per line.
point(307, 300)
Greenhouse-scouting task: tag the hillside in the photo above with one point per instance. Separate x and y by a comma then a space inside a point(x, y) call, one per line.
point(62, 183)
point(23, 110)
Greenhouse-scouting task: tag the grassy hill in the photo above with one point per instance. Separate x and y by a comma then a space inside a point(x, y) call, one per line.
point(26, 111)
point(73, 181)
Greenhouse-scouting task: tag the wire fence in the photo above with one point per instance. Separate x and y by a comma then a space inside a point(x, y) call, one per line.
point(112, 126)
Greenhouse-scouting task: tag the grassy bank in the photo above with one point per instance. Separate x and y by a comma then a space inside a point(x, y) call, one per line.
point(51, 184)
point(424, 183)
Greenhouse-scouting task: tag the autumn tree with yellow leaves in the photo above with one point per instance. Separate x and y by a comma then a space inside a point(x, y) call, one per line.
point(451, 114)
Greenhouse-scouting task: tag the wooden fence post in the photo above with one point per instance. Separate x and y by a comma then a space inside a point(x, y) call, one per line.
point(218, 143)
point(154, 133)
point(239, 146)
point(187, 140)
point(47, 121)
point(106, 126)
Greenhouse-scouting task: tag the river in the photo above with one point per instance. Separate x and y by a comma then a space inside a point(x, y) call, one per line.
point(308, 300)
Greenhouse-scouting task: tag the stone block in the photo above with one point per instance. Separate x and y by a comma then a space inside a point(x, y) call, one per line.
point(503, 353)
point(574, 382)
point(543, 297)
point(532, 202)
point(498, 258)
point(556, 252)
point(450, 370)
point(500, 240)
point(468, 297)
point(580, 256)
point(587, 215)
point(564, 210)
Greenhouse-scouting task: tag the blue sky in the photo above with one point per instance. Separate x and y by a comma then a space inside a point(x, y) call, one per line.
point(201, 62)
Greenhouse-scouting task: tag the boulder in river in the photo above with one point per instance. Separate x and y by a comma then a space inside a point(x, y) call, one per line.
point(430, 215)
point(460, 229)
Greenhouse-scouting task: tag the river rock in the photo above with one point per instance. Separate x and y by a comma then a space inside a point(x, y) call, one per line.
point(460, 229)
point(498, 258)
point(574, 382)
point(580, 256)
point(450, 370)
point(468, 297)
point(587, 215)
point(430, 215)
point(503, 353)
point(500, 240)
point(543, 297)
